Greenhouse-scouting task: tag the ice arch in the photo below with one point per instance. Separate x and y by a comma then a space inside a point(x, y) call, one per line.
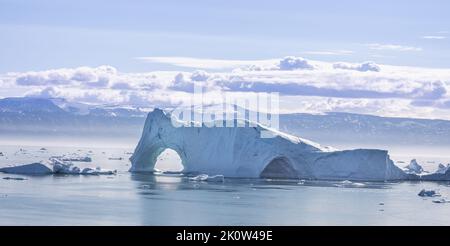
point(241, 152)
point(169, 160)
point(279, 167)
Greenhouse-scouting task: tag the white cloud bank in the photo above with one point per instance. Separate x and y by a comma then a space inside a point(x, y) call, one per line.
point(393, 47)
point(363, 67)
point(434, 37)
point(304, 86)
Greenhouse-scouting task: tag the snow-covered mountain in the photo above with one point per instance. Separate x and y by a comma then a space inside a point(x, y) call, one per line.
point(32, 105)
point(47, 117)
point(23, 116)
point(333, 128)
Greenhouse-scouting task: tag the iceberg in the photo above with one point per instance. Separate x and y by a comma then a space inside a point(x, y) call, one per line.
point(29, 169)
point(241, 152)
point(54, 166)
point(428, 193)
point(414, 167)
point(62, 167)
point(443, 169)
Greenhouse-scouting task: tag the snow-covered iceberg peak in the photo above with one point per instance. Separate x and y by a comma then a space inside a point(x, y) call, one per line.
point(414, 167)
point(443, 169)
point(241, 152)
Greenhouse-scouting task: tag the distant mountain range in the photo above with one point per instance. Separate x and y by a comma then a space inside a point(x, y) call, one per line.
point(38, 116)
point(357, 128)
point(47, 117)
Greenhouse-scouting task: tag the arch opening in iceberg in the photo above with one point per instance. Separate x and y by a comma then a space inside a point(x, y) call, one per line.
point(168, 161)
point(279, 167)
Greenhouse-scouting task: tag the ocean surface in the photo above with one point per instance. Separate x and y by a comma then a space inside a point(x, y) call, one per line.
point(149, 199)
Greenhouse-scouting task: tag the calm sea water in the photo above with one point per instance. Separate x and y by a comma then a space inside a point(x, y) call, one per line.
point(146, 199)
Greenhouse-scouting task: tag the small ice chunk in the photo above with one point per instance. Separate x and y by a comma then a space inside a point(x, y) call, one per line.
point(105, 172)
point(30, 169)
point(77, 158)
point(201, 177)
point(428, 193)
point(14, 178)
point(97, 171)
point(442, 200)
point(1, 154)
point(65, 168)
point(207, 178)
point(414, 167)
point(216, 178)
point(88, 171)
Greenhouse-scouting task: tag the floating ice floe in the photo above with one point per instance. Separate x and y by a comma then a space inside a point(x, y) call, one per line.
point(167, 173)
point(62, 167)
point(55, 166)
point(97, 171)
point(207, 178)
point(30, 169)
point(1, 154)
point(442, 200)
point(348, 183)
point(428, 193)
point(80, 159)
point(74, 158)
point(414, 167)
point(14, 178)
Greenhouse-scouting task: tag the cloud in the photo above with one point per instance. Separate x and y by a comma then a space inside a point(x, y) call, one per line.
point(322, 86)
point(329, 52)
point(201, 63)
point(287, 63)
point(434, 37)
point(86, 76)
point(199, 75)
point(180, 83)
point(48, 92)
point(52, 77)
point(293, 63)
point(363, 67)
point(392, 47)
point(430, 91)
point(121, 86)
